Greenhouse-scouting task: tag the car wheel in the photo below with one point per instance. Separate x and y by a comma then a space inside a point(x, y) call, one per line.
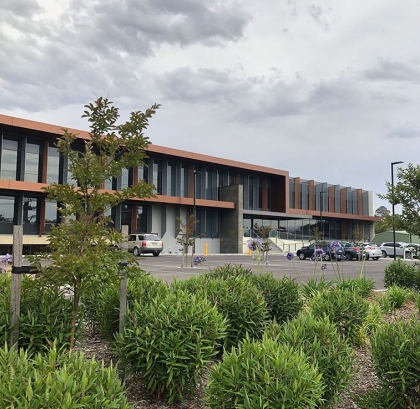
point(155, 253)
point(375, 258)
point(384, 255)
point(349, 256)
point(136, 251)
point(327, 257)
point(408, 254)
point(301, 256)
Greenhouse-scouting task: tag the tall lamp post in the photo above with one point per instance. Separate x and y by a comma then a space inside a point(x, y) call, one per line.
point(194, 199)
point(321, 207)
point(393, 206)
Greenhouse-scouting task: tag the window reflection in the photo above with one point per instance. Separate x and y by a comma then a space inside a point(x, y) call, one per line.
point(9, 159)
point(53, 168)
point(7, 214)
point(32, 161)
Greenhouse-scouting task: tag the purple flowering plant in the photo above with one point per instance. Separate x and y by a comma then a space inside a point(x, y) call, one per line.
point(5, 261)
point(199, 260)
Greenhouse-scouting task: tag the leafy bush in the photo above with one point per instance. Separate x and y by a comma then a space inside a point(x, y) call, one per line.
point(228, 271)
point(373, 318)
point(397, 296)
point(395, 349)
point(314, 287)
point(346, 309)
point(402, 274)
point(57, 380)
point(361, 285)
point(282, 296)
point(237, 299)
point(324, 347)
point(45, 315)
point(169, 340)
point(264, 374)
point(4, 308)
point(104, 306)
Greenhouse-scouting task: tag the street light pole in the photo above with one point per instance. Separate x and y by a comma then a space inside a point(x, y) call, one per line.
point(393, 206)
point(194, 198)
point(321, 209)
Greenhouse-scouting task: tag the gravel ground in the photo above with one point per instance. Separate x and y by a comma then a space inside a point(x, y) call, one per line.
point(364, 380)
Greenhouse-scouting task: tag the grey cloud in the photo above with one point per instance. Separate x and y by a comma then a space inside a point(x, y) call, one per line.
point(203, 85)
point(100, 45)
point(318, 14)
point(20, 8)
point(386, 70)
point(406, 130)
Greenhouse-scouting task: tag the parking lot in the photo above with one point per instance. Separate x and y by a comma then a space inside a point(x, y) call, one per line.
point(169, 266)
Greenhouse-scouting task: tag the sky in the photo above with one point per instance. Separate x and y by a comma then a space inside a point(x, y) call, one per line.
point(328, 90)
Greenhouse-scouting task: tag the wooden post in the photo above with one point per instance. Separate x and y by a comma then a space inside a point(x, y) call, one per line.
point(16, 285)
point(123, 282)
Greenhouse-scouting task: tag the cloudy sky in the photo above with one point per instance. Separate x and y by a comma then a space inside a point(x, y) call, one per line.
point(326, 89)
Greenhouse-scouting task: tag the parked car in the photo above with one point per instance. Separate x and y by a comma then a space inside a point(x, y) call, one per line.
point(143, 243)
point(326, 252)
point(351, 250)
point(387, 249)
point(415, 249)
point(371, 250)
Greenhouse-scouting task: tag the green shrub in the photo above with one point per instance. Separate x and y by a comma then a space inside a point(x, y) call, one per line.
point(141, 287)
point(324, 347)
point(395, 349)
point(346, 309)
point(169, 341)
point(237, 299)
point(282, 296)
point(45, 315)
point(361, 285)
point(373, 318)
point(397, 296)
point(228, 271)
point(5, 282)
point(314, 286)
point(264, 374)
point(57, 380)
point(402, 274)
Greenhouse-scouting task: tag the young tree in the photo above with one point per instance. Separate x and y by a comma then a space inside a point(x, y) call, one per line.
point(407, 194)
point(383, 225)
point(186, 239)
point(81, 247)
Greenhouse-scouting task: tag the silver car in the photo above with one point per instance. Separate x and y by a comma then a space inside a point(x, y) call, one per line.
point(401, 249)
point(143, 243)
point(371, 250)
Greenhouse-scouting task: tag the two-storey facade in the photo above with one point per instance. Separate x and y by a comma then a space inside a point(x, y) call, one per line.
point(229, 197)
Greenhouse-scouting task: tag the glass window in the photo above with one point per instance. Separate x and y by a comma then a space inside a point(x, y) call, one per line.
point(209, 183)
point(142, 219)
point(157, 176)
point(53, 165)
point(9, 159)
point(51, 213)
point(125, 178)
point(184, 180)
point(33, 161)
point(126, 211)
point(7, 214)
point(30, 216)
point(171, 181)
point(198, 183)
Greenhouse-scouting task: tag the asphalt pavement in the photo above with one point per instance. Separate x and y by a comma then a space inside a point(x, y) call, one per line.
point(169, 266)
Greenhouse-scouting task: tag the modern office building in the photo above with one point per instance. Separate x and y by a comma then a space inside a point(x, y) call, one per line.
point(229, 197)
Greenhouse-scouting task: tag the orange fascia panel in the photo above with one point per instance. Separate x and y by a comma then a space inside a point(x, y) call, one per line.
point(22, 186)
